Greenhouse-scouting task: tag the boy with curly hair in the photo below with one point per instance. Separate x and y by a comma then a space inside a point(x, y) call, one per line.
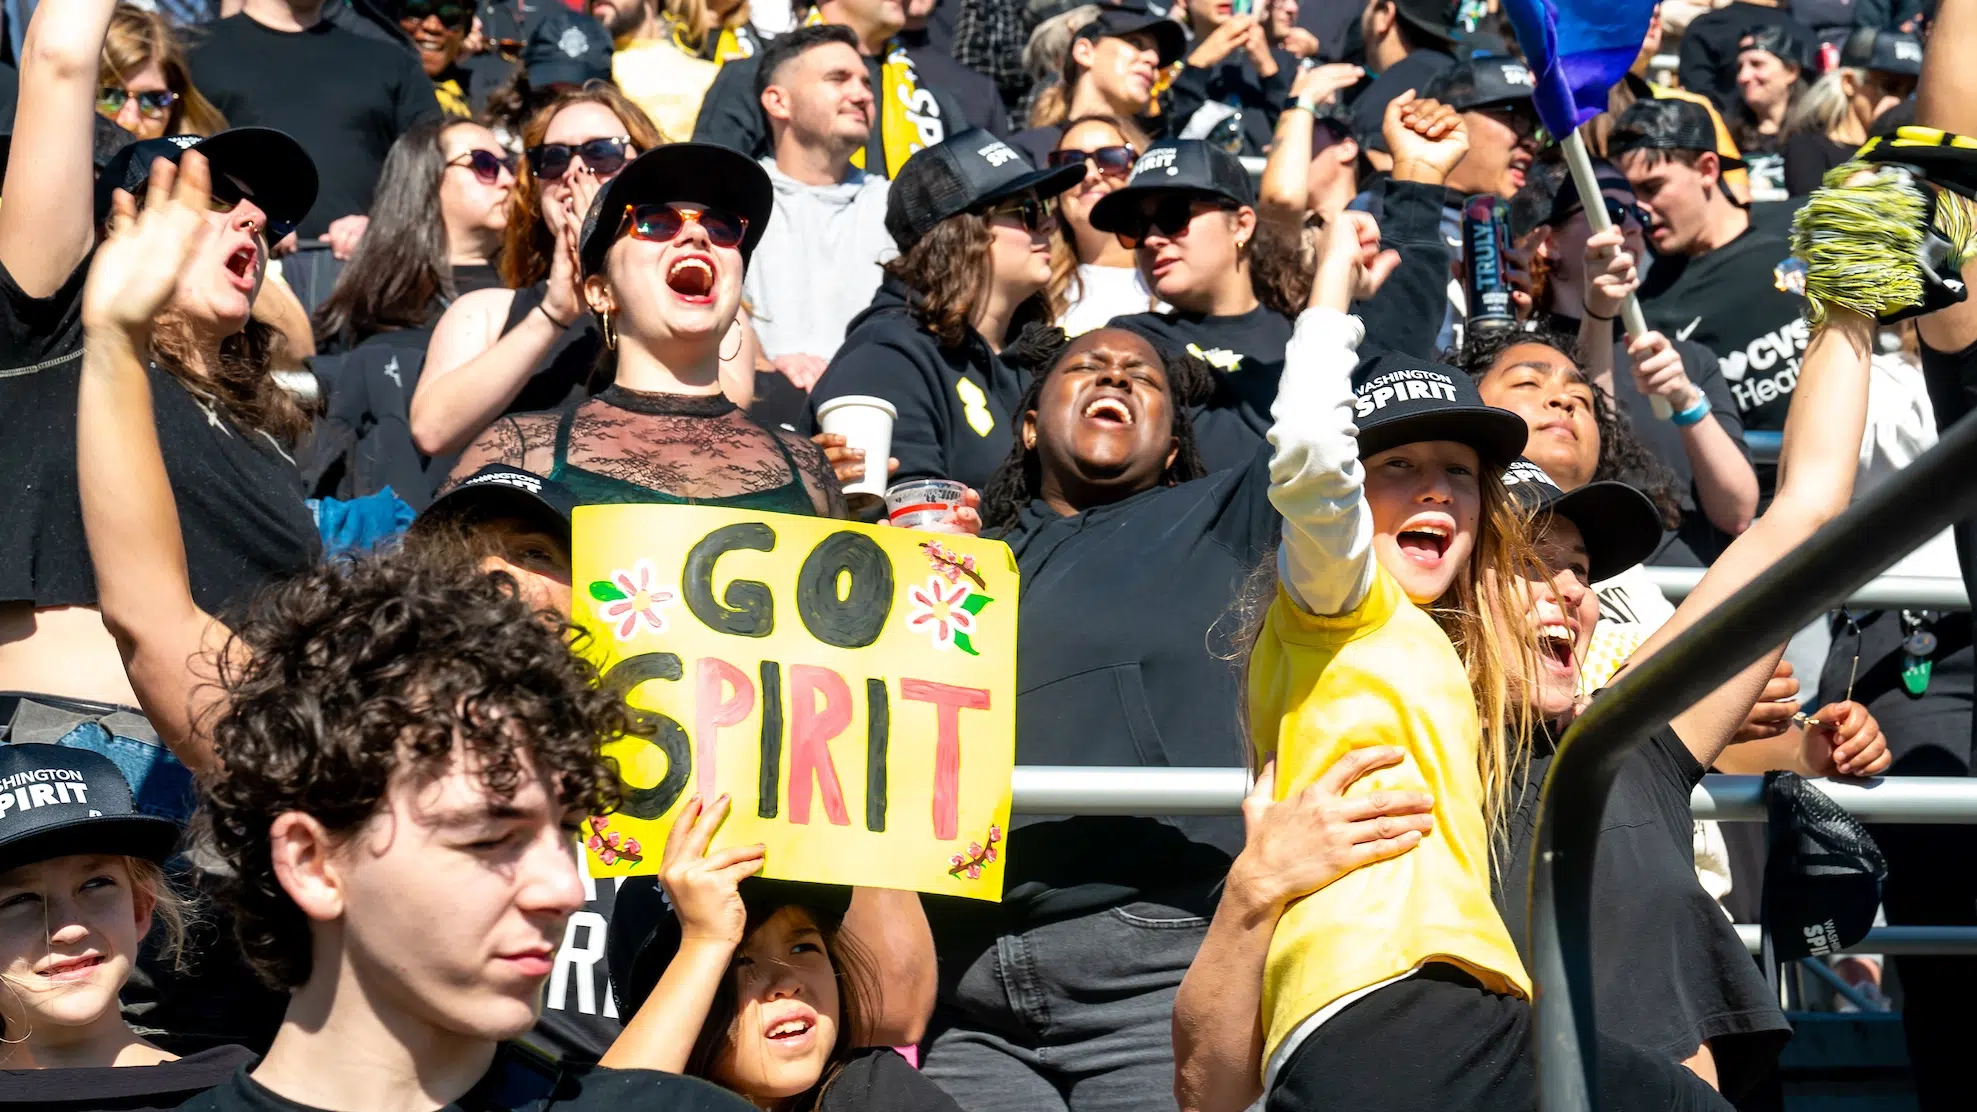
point(408, 746)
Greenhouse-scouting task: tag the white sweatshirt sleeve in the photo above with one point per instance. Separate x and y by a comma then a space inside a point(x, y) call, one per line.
point(1316, 479)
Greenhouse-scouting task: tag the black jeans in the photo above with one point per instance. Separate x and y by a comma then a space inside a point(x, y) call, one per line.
point(1073, 1016)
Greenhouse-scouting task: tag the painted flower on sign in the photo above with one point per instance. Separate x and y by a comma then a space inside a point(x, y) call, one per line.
point(632, 599)
point(940, 610)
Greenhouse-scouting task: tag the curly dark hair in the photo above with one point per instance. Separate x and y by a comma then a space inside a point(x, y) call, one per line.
point(347, 676)
point(948, 271)
point(1019, 481)
point(1281, 261)
point(1622, 456)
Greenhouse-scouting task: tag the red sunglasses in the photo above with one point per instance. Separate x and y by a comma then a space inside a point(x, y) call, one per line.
point(661, 223)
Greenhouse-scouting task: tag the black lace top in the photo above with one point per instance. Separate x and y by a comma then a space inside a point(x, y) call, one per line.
point(628, 446)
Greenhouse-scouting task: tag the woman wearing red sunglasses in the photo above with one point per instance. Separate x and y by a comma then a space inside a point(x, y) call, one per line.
point(1094, 271)
point(661, 252)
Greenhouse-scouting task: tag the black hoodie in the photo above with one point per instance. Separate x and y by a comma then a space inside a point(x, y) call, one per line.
point(957, 406)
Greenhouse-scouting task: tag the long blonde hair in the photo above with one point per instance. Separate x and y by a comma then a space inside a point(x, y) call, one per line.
point(694, 20)
point(138, 38)
point(1826, 105)
point(1496, 646)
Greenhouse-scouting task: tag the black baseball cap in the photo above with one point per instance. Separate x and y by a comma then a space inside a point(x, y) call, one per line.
point(645, 933)
point(1822, 873)
point(1883, 51)
point(1566, 202)
point(1174, 166)
point(1781, 41)
point(1482, 83)
point(1620, 524)
point(498, 491)
point(699, 173)
point(560, 47)
point(1670, 124)
point(1120, 20)
point(266, 165)
point(1432, 18)
point(1399, 399)
point(59, 802)
point(962, 173)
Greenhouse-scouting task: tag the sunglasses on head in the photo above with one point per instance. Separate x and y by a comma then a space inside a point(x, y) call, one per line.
point(1620, 212)
point(110, 100)
point(1034, 212)
point(662, 222)
point(451, 13)
point(605, 157)
point(1117, 161)
point(1169, 215)
point(486, 165)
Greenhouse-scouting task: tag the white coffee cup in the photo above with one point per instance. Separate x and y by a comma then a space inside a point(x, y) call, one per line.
point(865, 422)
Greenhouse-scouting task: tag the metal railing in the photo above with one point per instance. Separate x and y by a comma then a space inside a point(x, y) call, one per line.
point(1884, 592)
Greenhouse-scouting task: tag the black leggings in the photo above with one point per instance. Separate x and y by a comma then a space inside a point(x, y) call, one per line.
point(1440, 1040)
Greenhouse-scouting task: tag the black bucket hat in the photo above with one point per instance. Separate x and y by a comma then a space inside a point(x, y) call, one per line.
point(266, 165)
point(1620, 524)
point(1822, 875)
point(498, 491)
point(698, 173)
point(645, 933)
point(961, 173)
point(1120, 20)
point(1175, 166)
point(1399, 399)
point(59, 802)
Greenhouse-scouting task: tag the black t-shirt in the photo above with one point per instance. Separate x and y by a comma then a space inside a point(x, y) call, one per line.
point(512, 1086)
point(879, 1080)
point(121, 1088)
point(1728, 301)
point(346, 98)
point(1668, 968)
point(240, 499)
point(1808, 155)
point(1247, 354)
point(580, 1017)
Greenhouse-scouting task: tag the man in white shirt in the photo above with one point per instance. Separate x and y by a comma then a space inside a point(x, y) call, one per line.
point(818, 263)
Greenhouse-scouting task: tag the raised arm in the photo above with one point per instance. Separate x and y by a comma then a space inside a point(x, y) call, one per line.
point(1427, 139)
point(1316, 479)
point(1726, 484)
point(1285, 194)
point(128, 511)
point(48, 222)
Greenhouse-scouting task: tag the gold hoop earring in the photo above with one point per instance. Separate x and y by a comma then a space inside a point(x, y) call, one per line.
point(735, 331)
point(610, 333)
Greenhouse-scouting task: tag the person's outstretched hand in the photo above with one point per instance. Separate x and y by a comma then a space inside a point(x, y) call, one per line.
point(702, 886)
point(1223, 41)
point(1612, 273)
point(1296, 846)
point(344, 233)
point(1843, 739)
point(137, 268)
point(1426, 138)
point(1351, 266)
point(1658, 371)
point(1323, 83)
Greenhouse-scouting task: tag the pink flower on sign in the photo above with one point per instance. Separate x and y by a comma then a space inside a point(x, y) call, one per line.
point(936, 609)
point(638, 601)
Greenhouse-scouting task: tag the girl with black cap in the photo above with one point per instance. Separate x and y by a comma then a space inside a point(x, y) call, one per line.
point(80, 887)
point(974, 222)
point(661, 253)
point(225, 425)
point(753, 984)
point(1772, 64)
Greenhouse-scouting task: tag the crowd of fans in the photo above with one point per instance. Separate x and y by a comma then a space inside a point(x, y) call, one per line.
point(319, 317)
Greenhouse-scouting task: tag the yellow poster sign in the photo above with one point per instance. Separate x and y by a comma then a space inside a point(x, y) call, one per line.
point(851, 687)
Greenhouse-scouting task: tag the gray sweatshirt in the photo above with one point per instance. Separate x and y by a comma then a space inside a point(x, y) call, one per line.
point(818, 263)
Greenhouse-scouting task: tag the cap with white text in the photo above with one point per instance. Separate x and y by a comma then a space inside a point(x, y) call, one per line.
point(962, 173)
point(1399, 399)
point(1620, 525)
point(56, 801)
point(1174, 166)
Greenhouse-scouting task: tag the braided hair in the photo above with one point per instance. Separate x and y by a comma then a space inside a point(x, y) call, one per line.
point(1622, 456)
point(1019, 481)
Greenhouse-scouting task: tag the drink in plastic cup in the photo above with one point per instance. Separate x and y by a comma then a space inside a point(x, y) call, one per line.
point(864, 422)
point(918, 503)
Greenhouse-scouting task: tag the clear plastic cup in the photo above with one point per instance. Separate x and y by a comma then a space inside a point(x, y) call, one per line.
point(864, 422)
point(919, 503)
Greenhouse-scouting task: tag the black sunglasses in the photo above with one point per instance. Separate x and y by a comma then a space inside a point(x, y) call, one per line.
point(1521, 119)
point(1035, 212)
point(1117, 161)
point(1169, 215)
point(451, 13)
point(661, 222)
point(110, 100)
point(605, 157)
point(486, 165)
point(1620, 212)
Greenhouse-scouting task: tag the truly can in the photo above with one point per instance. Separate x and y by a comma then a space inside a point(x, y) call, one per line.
point(1486, 263)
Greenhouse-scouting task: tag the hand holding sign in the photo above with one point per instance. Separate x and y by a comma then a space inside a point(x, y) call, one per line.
point(851, 687)
point(703, 887)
